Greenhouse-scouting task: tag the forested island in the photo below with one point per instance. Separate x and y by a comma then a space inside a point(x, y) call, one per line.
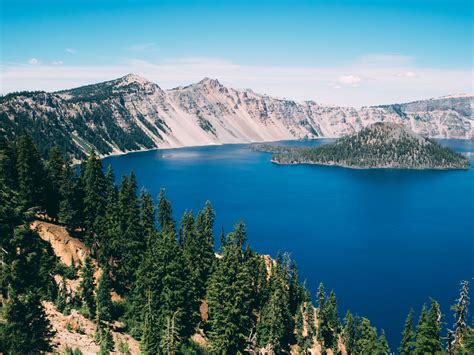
point(144, 278)
point(380, 145)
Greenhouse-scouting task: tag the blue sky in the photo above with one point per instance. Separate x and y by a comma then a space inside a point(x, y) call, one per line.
point(341, 52)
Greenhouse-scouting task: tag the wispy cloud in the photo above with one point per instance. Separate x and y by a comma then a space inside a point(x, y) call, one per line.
point(364, 81)
point(71, 50)
point(33, 61)
point(352, 80)
point(142, 47)
point(57, 62)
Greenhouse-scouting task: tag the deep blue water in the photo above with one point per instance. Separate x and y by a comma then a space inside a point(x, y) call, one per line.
point(384, 240)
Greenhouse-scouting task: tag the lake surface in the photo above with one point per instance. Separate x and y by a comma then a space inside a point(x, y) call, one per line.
point(384, 240)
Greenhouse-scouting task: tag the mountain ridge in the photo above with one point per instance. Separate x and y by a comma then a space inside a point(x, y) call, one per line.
point(132, 113)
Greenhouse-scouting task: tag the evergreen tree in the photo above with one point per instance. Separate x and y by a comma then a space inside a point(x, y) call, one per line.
point(54, 169)
point(132, 243)
point(163, 273)
point(366, 337)
point(408, 335)
point(87, 288)
point(428, 338)
point(229, 304)
point(349, 333)
point(24, 327)
point(8, 173)
point(150, 334)
point(30, 173)
point(147, 216)
point(460, 309)
point(311, 330)
point(104, 302)
point(106, 340)
point(170, 337)
point(165, 213)
point(94, 185)
point(272, 330)
point(382, 344)
point(70, 204)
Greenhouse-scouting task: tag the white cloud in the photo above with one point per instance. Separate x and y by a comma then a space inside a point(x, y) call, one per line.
point(33, 61)
point(142, 47)
point(71, 50)
point(378, 83)
point(351, 80)
point(57, 62)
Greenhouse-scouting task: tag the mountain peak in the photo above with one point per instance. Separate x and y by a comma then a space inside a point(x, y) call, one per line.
point(133, 78)
point(214, 83)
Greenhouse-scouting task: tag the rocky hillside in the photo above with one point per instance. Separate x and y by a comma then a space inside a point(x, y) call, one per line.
point(381, 145)
point(131, 113)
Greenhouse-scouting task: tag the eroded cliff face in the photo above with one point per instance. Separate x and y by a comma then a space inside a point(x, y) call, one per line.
point(131, 113)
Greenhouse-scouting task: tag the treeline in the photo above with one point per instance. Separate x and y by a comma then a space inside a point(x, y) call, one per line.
point(173, 281)
point(379, 145)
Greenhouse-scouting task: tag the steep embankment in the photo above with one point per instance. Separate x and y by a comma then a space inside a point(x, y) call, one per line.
point(131, 113)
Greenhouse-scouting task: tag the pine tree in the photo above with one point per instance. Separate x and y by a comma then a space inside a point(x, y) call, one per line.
point(150, 334)
point(8, 173)
point(408, 335)
point(366, 337)
point(163, 273)
point(30, 173)
point(165, 213)
point(311, 330)
point(24, 327)
point(349, 333)
point(229, 304)
point(460, 309)
point(428, 338)
point(131, 243)
point(94, 185)
point(54, 169)
point(170, 337)
point(70, 204)
point(382, 344)
point(87, 288)
point(272, 330)
point(104, 302)
point(106, 340)
point(147, 216)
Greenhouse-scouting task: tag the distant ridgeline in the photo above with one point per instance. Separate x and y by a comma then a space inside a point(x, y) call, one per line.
point(381, 145)
point(133, 114)
point(173, 288)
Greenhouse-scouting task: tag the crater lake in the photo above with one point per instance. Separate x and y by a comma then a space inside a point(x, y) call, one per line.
point(384, 240)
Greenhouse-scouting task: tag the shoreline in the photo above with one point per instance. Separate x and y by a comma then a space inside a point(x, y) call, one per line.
point(358, 167)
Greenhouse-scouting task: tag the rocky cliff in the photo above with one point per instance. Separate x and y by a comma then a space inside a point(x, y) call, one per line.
point(131, 113)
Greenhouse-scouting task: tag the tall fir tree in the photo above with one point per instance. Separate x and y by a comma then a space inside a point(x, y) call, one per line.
point(366, 337)
point(349, 333)
point(428, 339)
point(24, 327)
point(31, 174)
point(94, 185)
point(87, 288)
point(229, 304)
point(408, 336)
point(104, 301)
point(54, 171)
point(461, 328)
point(382, 344)
point(70, 204)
